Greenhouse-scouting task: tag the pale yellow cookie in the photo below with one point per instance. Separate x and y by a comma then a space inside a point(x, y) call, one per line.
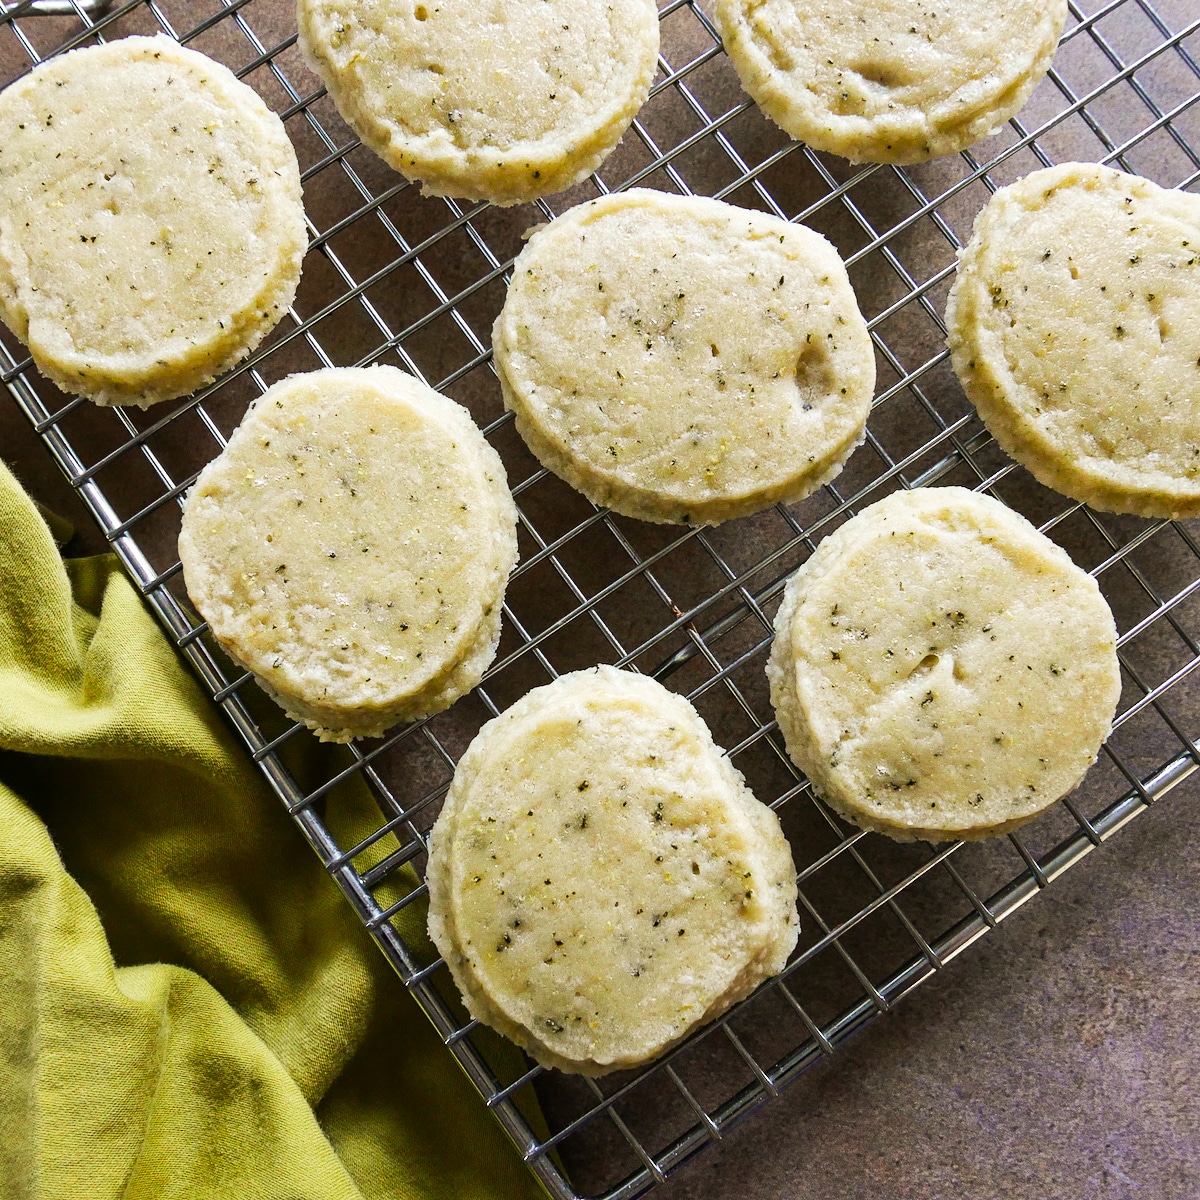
point(351, 546)
point(1075, 331)
point(491, 101)
point(601, 881)
point(151, 226)
point(941, 669)
point(681, 359)
point(895, 81)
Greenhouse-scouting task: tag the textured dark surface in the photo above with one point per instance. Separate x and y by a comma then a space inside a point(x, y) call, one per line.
point(1055, 1059)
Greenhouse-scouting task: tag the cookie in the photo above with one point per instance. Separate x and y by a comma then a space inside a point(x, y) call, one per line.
point(941, 669)
point(490, 102)
point(151, 226)
point(601, 881)
point(351, 546)
point(680, 359)
point(1074, 331)
point(894, 81)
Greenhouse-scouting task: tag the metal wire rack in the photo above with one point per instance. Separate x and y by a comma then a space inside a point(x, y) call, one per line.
point(391, 276)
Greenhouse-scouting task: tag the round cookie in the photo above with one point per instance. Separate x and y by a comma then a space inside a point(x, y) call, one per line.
point(942, 670)
point(351, 546)
point(501, 102)
point(680, 359)
point(1075, 331)
point(151, 226)
point(601, 881)
point(895, 81)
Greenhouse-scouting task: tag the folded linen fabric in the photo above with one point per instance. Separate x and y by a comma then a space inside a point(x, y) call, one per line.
point(248, 1040)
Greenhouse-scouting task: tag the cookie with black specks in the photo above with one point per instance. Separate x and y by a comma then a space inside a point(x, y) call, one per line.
point(896, 81)
point(681, 359)
point(1075, 331)
point(490, 101)
point(941, 669)
point(350, 546)
point(151, 224)
point(601, 880)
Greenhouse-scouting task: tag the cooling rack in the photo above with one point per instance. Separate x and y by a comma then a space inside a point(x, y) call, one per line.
point(391, 276)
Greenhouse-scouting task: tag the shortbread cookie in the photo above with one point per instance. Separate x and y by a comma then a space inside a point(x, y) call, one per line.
point(941, 669)
point(680, 359)
point(895, 81)
point(601, 880)
point(501, 102)
point(151, 227)
point(351, 546)
point(1075, 331)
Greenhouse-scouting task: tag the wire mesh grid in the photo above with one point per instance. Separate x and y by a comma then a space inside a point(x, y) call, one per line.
point(391, 276)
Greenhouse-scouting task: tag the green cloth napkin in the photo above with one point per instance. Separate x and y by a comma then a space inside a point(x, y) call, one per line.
point(249, 1041)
